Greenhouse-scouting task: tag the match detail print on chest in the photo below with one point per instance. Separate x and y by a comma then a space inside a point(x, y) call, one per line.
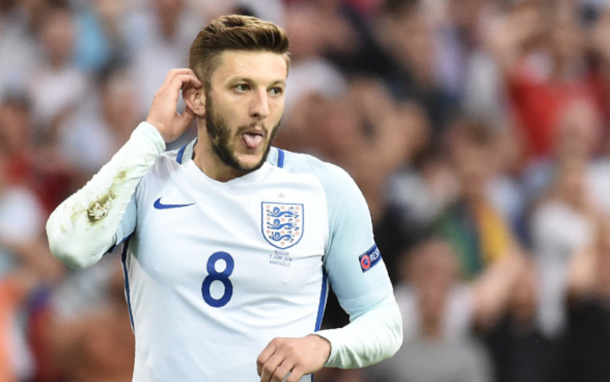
point(282, 226)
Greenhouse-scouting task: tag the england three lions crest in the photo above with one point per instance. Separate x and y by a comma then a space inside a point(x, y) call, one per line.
point(282, 223)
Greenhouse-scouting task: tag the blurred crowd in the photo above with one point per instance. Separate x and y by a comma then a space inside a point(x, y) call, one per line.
point(478, 131)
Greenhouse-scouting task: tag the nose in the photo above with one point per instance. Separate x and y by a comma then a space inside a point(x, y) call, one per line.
point(259, 107)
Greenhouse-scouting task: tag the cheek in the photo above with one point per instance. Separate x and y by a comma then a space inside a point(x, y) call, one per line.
point(230, 117)
point(277, 111)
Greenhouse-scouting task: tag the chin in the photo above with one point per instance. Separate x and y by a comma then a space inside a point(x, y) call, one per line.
point(250, 162)
point(251, 165)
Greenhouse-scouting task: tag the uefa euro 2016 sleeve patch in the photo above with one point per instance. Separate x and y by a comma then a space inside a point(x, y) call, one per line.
point(370, 258)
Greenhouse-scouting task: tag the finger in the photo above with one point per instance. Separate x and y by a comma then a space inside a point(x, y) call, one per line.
point(295, 374)
point(270, 367)
point(195, 82)
point(191, 73)
point(264, 357)
point(170, 90)
point(171, 93)
point(176, 72)
point(190, 87)
point(282, 371)
point(180, 81)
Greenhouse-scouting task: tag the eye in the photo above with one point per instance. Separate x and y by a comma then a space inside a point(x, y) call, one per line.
point(241, 88)
point(276, 91)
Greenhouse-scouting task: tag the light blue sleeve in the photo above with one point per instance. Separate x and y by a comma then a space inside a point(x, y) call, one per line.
point(352, 261)
point(355, 269)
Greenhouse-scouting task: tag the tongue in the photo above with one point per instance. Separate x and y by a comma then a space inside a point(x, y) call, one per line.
point(252, 141)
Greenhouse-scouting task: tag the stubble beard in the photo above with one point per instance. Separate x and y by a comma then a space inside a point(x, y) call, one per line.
point(222, 140)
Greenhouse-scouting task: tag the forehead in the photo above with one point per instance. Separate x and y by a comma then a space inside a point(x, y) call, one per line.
point(261, 67)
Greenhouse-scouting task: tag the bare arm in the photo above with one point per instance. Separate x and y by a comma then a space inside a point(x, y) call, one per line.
point(492, 289)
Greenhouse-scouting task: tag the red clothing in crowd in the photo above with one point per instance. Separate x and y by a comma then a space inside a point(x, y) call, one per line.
point(538, 101)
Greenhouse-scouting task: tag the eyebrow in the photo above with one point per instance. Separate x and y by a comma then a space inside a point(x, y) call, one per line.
point(249, 81)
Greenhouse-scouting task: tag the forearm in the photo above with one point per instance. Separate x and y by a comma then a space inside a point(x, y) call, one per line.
point(374, 336)
point(492, 290)
point(82, 228)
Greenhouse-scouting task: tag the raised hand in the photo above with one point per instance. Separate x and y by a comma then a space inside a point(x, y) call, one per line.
point(289, 359)
point(163, 114)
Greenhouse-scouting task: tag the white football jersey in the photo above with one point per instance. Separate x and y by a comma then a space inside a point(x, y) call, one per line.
point(214, 271)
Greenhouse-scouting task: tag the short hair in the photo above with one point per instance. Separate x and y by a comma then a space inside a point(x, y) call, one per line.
point(234, 33)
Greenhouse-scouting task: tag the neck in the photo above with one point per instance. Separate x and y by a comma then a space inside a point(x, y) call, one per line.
point(206, 159)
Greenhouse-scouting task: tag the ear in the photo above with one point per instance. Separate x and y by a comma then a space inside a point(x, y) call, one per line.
point(194, 99)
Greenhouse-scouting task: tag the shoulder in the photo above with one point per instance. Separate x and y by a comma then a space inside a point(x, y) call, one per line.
point(167, 163)
point(330, 176)
point(344, 199)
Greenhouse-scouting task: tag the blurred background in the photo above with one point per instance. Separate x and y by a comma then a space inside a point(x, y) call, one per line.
point(478, 131)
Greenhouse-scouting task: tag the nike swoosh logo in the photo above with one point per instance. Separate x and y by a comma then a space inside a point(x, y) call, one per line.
point(160, 206)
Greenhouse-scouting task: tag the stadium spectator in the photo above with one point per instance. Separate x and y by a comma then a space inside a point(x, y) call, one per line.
point(158, 40)
point(588, 289)
point(91, 338)
point(440, 314)
point(520, 348)
point(25, 266)
point(563, 222)
point(18, 49)
point(32, 164)
point(476, 229)
point(55, 84)
point(406, 34)
point(539, 48)
point(102, 124)
point(577, 136)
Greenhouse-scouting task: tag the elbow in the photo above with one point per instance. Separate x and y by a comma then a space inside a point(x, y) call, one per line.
point(66, 248)
point(70, 257)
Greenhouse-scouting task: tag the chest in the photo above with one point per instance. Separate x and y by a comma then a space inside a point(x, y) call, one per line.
point(262, 238)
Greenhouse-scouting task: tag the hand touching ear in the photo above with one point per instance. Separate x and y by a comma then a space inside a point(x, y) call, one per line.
point(163, 114)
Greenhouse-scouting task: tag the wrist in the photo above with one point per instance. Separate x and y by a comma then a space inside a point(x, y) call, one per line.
point(159, 127)
point(148, 130)
point(323, 345)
